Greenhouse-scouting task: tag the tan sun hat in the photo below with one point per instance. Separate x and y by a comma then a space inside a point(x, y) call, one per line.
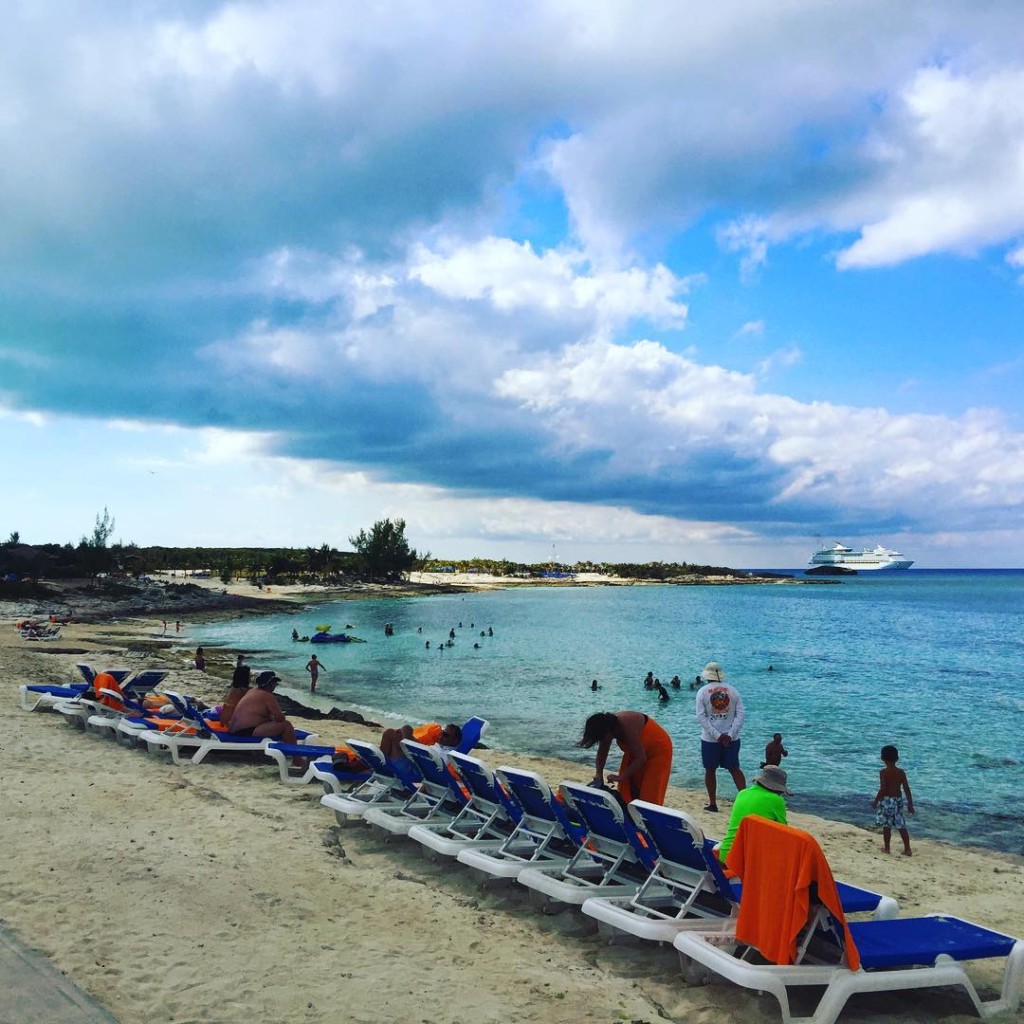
point(774, 778)
point(713, 673)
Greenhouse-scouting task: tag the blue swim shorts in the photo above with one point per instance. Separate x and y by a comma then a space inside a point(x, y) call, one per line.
point(718, 755)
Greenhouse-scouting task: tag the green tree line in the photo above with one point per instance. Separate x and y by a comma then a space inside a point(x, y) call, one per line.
point(381, 553)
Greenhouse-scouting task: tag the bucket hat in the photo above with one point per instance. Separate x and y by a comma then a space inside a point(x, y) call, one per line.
point(774, 778)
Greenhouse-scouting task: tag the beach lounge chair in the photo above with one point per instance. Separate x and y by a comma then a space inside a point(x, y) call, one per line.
point(78, 709)
point(688, 884)
point(126, 700)
point(196, 731)
point(321, 759)
point(44, 696)
point(483, 823)
point(790, 920)
point(544, 834)
point(387, 785)
point(682, 888)
point(614, 859)
point(436, 800)
point(334, 779)
point(40, 633)
point(340, 780)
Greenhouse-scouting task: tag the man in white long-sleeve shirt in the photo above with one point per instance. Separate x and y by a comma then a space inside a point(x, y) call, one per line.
point(720, 713)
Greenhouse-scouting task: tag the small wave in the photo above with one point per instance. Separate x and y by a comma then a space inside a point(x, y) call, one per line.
point(989, 761)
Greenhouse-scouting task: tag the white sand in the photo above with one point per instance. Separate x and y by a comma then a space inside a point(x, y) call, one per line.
point(206, 893)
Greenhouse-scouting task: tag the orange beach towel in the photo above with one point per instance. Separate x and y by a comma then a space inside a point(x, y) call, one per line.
point(427, 734)
point(105, 681)
point(778, 865)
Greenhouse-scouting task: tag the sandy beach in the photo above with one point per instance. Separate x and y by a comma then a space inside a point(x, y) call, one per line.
point(216, 893)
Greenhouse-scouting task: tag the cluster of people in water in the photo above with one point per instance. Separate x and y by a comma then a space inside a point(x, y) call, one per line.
point(449, 641)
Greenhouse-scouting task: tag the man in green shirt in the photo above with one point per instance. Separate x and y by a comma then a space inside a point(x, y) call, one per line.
point(764, 798)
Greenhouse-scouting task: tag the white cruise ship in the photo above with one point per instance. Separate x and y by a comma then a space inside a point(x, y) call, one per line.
point(867, 558)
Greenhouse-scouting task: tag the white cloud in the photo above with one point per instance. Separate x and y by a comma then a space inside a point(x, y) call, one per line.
point(780, 358)
point(748, 236)
point(751, 329)
point(291, 217)
point(1016, 260)
point(513, 275)
point(657, 411)
point(953, 178)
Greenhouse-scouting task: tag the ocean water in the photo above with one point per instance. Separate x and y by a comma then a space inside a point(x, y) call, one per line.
point(930, 660)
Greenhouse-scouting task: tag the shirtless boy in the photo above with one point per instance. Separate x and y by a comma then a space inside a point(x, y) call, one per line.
point(892, 784)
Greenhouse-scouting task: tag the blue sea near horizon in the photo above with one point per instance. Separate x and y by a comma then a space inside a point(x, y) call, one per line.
point(929, 660)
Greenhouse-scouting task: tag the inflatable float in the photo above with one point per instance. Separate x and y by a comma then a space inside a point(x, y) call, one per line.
point(324, 636)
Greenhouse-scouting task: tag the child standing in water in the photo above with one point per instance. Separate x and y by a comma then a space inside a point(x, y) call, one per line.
point(892, 783)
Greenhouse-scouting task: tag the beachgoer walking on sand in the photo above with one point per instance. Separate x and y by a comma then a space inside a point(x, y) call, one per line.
point(720, 713)
point(888, 802)
point(774, 751)
point(646, 753)
point(200, 660)
point(313, 667)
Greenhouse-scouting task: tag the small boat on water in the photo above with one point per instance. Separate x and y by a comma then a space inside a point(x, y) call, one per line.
point(840, 556)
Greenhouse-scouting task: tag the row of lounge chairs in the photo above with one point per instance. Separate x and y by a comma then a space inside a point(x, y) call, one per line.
point(178, 725)
point(650, 873)
point(40, 632)
point(645, 872)
point(185, 730)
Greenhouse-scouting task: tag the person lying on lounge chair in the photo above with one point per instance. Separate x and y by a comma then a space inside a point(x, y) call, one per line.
point(429, 734)
point(259, 714)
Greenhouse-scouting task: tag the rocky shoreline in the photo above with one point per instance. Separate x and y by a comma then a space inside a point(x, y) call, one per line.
point(174, 598)
point(104, 600)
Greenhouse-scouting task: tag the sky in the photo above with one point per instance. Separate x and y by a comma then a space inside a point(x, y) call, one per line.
point(717, 282)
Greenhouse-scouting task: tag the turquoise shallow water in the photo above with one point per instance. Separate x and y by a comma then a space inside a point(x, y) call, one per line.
point(928, 660)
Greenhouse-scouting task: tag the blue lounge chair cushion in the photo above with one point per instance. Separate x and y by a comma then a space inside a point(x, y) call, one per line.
point(471, 733)
point(853, 899)
point(74, 690)
point(405, 771)
point(856, 900)
point(917, 941)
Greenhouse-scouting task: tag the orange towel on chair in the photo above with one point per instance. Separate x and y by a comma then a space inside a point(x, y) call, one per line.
point(778, 864)
point(105, 681)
